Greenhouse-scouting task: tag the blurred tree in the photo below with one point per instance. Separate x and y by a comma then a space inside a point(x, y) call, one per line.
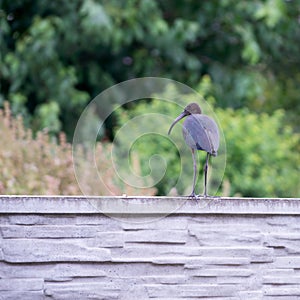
point(68, 51)
point(36, 79)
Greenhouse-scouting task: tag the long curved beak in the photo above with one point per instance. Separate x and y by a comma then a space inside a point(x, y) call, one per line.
point(181, 116)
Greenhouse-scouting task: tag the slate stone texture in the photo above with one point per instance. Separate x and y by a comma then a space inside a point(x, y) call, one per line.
point(227, 248)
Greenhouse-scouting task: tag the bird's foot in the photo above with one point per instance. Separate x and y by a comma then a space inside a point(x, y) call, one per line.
point(193, 196)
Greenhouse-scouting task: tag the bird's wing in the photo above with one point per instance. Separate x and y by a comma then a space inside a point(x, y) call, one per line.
point(201, 132)
point(212, 133)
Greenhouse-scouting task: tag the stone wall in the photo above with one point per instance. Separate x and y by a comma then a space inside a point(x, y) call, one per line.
point(149, 248)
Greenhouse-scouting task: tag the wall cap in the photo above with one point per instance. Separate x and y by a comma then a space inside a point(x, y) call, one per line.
point(147, 205)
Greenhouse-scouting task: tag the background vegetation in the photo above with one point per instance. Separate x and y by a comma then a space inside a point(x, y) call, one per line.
point(242, 55)
point(37, 165)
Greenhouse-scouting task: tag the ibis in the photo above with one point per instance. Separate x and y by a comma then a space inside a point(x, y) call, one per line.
point(200, 132)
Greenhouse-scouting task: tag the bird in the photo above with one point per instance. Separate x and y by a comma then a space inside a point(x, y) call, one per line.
point(200, 132)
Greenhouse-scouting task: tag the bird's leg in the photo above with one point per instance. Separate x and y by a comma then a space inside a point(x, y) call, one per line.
point(205, 175)
point(195, 173)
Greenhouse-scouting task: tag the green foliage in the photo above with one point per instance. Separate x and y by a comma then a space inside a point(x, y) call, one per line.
point(34, 69)
point(47, 116)
point(69, 51)
point(255, 39)
point(57, 55)
point(262, 152)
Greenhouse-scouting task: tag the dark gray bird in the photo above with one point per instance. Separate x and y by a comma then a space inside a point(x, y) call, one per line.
point(200, 132)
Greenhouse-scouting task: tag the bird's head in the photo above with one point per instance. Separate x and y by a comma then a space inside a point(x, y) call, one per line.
point(190, 109)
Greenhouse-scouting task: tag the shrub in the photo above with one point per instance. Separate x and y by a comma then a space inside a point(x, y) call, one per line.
point(40, 165)
point(262, 154)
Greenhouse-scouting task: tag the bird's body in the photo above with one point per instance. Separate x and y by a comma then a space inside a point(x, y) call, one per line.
point(200, 132)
